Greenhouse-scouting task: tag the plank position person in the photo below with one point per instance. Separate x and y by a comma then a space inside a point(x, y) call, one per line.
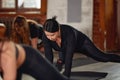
point(68, 40)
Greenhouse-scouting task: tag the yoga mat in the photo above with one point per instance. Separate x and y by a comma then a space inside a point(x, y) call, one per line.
point(88, 75)
point(83, 61)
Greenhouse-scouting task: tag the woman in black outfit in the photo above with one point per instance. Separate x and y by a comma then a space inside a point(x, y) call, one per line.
point(68, 40)
point(25, 59)
point(16, 59)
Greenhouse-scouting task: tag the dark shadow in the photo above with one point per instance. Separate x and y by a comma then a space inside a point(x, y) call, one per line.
point(88, 75)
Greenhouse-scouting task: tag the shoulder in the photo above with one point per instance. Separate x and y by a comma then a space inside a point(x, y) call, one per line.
point(8, 50)
point(65, 25)
point(68, 27)
point(7, 46)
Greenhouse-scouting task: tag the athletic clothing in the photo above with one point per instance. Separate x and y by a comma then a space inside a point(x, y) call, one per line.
point(17, 52)
point(38, 67)
point(40, 31)
point(33, 31)
point(73, 41)
point(36, 31)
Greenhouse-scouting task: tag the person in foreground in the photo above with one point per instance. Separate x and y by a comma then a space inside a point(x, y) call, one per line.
point(68, 40)
point(16, 59)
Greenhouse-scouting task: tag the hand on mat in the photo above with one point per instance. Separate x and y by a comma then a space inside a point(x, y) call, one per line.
point(59, 64)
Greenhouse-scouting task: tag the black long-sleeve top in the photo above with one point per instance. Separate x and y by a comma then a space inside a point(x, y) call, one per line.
point(71, 41)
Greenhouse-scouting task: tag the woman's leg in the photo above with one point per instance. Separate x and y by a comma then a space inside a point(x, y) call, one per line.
point(91, 50)
point(39, 67)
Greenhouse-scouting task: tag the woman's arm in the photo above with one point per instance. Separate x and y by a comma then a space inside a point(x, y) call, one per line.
point(34, 42)
point(47, 49)
point(8, 62)
point(70, 48)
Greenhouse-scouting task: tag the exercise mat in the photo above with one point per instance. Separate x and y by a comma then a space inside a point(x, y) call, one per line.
point(88, 75)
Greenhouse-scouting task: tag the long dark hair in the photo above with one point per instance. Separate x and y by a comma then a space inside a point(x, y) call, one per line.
point(51, 25)
point(24, 33)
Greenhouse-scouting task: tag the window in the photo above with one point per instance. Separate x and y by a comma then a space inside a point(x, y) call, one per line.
point(21, 6)
point(7, 4)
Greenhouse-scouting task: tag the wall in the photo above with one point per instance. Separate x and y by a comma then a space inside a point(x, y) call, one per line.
point(60, 7)
point(118, 22)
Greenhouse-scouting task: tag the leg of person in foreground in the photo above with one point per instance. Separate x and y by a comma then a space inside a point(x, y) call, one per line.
point(18, 59)
point(39, 67)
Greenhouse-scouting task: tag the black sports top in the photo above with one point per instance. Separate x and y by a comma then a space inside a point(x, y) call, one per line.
point(33, 31)
point(17, 52)
point(71, 41)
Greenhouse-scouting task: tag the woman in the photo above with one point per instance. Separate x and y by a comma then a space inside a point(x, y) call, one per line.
point(17, 59)
point(68, 40)
point(20, 30)
point(36, 33)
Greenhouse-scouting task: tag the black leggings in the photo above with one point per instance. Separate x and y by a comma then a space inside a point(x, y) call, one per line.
point(38, 67)
point(90, 50)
